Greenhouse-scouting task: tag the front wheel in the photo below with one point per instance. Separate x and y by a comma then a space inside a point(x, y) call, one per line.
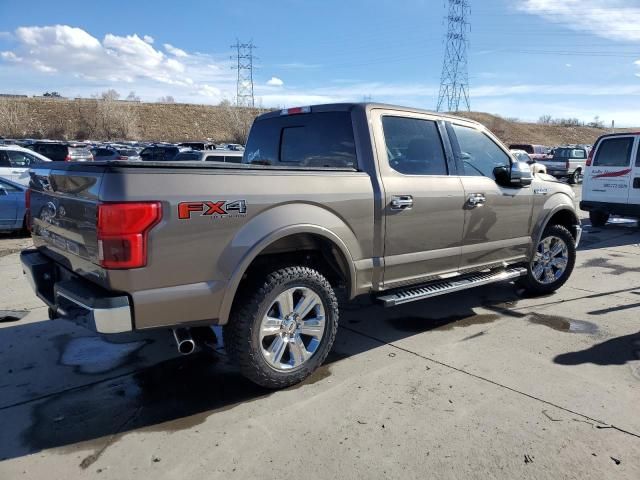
point(552, 262)
point(283, 331)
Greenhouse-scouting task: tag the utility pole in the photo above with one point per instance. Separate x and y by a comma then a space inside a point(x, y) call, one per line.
point(244, 86)
point(454, 83)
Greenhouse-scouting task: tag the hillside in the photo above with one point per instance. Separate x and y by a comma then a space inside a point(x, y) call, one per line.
point(87, 118)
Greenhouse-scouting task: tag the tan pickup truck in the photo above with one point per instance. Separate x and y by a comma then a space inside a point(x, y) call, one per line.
point(365, 199)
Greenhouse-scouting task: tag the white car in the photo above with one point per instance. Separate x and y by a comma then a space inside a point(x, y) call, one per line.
point(611, 184)
point(15, 162)
point(522, 156)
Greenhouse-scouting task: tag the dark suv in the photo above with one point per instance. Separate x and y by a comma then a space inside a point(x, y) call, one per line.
point(63, 152)
point(160, 153)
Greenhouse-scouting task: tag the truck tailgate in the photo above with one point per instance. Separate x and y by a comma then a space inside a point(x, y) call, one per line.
point(63, 213)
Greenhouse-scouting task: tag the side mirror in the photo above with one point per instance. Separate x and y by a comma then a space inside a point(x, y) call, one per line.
point(517, 175)
point(3, 192)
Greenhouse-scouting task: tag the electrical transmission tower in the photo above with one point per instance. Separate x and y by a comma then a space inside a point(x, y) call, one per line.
point(244, 66)
point(454, 83)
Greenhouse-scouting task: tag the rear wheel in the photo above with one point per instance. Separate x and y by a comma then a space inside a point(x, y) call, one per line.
point(552, 262)
point(285, 328)
point(574, 178)
point(598, 219)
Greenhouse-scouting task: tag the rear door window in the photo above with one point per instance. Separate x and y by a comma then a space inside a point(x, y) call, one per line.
point(614, 152)
point(21, 159)
point(414, 146)
point(319, 140)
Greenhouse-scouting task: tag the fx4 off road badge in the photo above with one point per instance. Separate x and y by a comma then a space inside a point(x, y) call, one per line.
point(218, 209)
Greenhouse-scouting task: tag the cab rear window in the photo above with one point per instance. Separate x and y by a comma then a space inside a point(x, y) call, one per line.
point(614, 152)
point(317, 140)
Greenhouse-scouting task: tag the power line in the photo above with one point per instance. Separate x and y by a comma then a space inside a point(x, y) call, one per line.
point(454, 83)
point(244, 66)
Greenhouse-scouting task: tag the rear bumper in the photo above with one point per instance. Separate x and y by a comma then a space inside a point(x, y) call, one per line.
point(74, 298)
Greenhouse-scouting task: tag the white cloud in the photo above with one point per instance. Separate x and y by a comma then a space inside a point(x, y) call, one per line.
point(568, 65)
point(610, 19)
point(275, 82)
point(175, 51)
point(127, 62)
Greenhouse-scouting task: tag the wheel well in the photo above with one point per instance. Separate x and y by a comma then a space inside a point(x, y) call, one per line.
point(311, 250)
point(565, 218)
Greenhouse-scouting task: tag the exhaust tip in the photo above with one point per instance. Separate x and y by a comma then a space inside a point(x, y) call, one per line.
point(184, 341)
point(186, 347)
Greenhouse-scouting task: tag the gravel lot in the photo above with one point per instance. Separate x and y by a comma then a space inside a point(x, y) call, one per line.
point(479, 384)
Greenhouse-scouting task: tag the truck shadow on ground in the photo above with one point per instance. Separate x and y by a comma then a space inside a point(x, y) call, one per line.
point(76, 391)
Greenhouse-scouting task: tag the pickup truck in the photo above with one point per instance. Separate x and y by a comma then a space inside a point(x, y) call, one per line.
point(568, 162)
point(331, 200)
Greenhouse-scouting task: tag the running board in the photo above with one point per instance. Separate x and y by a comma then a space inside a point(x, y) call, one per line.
point(434, 289)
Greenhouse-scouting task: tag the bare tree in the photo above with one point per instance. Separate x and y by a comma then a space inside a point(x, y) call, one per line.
point(167, 99)
point(110, 94)
point(132, 97)
point(545, 120)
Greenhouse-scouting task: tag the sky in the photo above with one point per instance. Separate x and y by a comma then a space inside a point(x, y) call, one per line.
point(527, 58)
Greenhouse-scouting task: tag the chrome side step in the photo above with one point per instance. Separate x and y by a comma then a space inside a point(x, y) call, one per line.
point(412, 294)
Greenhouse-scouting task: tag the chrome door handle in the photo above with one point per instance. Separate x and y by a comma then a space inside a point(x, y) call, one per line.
point(476, 199)
point(401, 202)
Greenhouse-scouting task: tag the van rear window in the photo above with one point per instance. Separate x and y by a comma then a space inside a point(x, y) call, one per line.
point(614, 152)
point(317, 140)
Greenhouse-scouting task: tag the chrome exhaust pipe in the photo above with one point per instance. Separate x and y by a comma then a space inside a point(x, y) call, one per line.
point(184, 342)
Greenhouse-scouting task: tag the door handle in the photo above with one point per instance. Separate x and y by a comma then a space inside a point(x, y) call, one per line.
point(476, 199)
point(401, 202)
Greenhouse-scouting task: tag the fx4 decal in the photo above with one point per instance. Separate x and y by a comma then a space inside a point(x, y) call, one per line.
point(222, 208)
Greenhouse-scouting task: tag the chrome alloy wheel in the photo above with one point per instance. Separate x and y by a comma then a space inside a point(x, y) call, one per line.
point(292, 329)
point(550, 260)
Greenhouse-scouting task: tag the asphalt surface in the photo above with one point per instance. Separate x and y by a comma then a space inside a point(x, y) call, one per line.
point(479, 384)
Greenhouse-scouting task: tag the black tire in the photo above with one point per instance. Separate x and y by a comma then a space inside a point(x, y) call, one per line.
point(242, 333)
point(535, 287)
point(574, 178)
point(598, 219)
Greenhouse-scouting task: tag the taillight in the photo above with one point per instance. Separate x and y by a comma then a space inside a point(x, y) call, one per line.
point(122, 233)
point(590, 157)
point(67, 158)
point(295, 111)
point(27, 205)
point(122, 157)
point(568, 164)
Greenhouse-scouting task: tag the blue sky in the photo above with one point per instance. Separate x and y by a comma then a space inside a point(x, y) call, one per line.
point(567, 58)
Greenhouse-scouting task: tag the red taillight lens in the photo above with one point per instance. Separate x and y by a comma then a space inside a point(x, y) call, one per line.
point(568, 164)
point(67, 158)
point(27, 212)
point(122, 157)
point(590, 158)
point(122, 233)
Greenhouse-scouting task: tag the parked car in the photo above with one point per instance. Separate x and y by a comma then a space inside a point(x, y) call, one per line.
point(568, 162)
point(227, 156)
point(198, 145)
point(612, 178)
point(15, 162)
point(522, 156)
point(261, 247)
point(12, 205)
point(536, 152)
point(160, 153)
point(105, 153)
point(63, 152)
point(235, 147)
point(129, 153)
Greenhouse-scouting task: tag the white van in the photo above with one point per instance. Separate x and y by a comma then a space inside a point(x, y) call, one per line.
point(15, 162)
point(611, 184)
